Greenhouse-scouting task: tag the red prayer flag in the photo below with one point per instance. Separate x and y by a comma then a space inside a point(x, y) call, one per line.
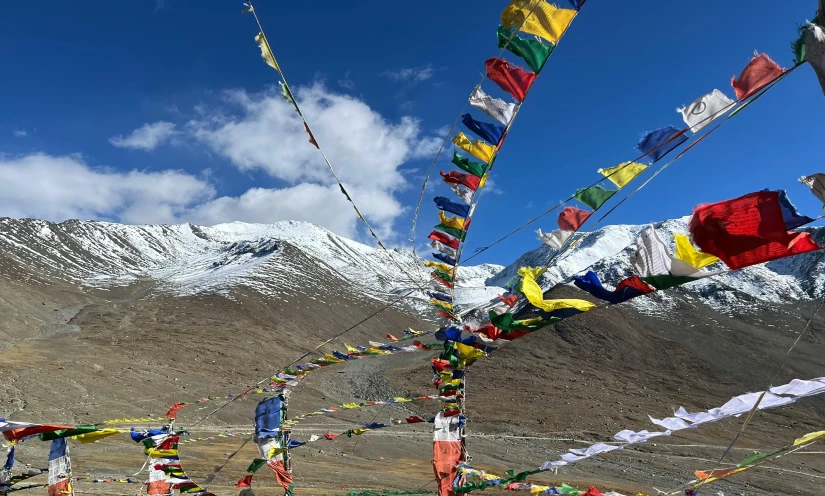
point(415, 419)
point(510, 301)
point(445, 239)
point(245, 482)
point(311, 137)
point(510, 78)
point(760, 71)
point(329, 436)
point(446, 315)
point(467, 180)
point(592, 491)
point(391, 337)
point(283, 477)
point(174, 409)
point(15, 434)
point(572, 218)
point(511, 335)
point(746, 231)
point(635, 283)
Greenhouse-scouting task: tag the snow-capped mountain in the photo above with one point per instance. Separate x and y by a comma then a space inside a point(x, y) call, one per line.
point(184, 259)
point(607, 252)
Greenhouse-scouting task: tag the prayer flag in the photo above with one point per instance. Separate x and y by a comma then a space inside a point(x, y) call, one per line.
point(491, 133)
point(759, 72)
point(622, 174)
point(444, 258)
point(747, 230)
point(451, 207)
point(478, 149)
point(467, 180)
point(266, 52)
point(656, 144)
point(572, 218)
point(245, 482)
point(452, 231)
point(496, 108)
point(554, 239)
point(440, 266)
point(539, 18)
point(60, 469)
point(446, 451)
point(532, 291)
point(475, 168)
point(510, 78)
point(268, 417)
point(463, 192)
point(817, 184)
point(790, 214)
point(654, 264)
point(705, 109)
point(534, 52)
point(445, 250)
point(444, 239)
point(288, 97)
point(456, 222)
point(687, 253)
point(594, 196)
point(625, 290)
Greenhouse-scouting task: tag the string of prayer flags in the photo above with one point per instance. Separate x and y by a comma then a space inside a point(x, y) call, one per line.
point(496, 108)
point(625, 290)
point(594, 196)
point(532, 291)
point(687, 253)
point(539, 18)
point(572, 218)
point(510, 78)
point(654, 264)
point(451, 207)
point(534, 52)
point(491, 133)
point(759, 72)
point(266, 51)
point(478, 149)
point(556, 238)
point(817, 184)
point(705, 109)
point(468, 180)
point(747, 230)
point(656, 144)
point(622, 174)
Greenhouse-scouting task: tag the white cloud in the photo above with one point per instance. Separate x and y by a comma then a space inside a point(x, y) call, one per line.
point(64, 187)
point(347, 82)
point(20, 133)
point(411, 75)
point(147, 137)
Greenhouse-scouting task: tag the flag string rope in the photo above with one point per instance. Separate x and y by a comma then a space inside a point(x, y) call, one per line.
point(314, 141)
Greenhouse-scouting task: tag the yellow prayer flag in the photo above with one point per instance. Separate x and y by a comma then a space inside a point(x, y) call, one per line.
point(91, 437)
point(466, 352)
point(402, 400)
point(273, 452)
point(330, 357)
point(441, 266)
point(807, 438)
point(539, 18)
point(163, 453)
point(443, 304)
point(414, 332)
point(478, 149)
point(535, 295)
point(455, 222)
point(352, 349)
point(266, 52)
point(687, 253)
point(358, 432)
point(350, 406)
point(622, 174)
point(539, 489)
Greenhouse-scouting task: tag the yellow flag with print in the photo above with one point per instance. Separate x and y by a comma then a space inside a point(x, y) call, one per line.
point(539, 18)
point(687, 253)
point(535, 295)
point(623, 174)
point(466, 352)
point(266, 52)
point(478, 149)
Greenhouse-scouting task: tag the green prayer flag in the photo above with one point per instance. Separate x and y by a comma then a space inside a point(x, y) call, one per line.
point(288, 97)
point(751, 459)
point(534, 52)
point(667, 281)
point(443, 275)
point(475, 168)
point(566, 489)
point(452, 231)
point(506, 322)
point(255, 465)
point(79, 429)
point(594, 196)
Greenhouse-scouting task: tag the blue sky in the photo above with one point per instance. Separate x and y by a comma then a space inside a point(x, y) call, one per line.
point(162, 111)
